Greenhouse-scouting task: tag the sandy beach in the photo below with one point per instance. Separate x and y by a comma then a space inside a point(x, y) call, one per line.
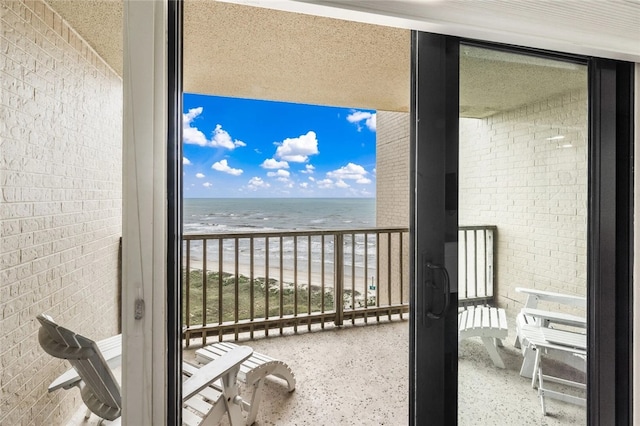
point(288, 273)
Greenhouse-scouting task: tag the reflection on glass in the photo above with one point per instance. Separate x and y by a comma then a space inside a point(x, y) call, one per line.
point(523, 207)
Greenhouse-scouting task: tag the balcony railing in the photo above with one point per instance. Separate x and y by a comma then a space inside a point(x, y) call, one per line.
point(269, 281)
point(476, 264)
point(266, 281)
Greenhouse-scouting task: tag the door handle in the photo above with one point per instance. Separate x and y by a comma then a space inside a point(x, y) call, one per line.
point(446, 289)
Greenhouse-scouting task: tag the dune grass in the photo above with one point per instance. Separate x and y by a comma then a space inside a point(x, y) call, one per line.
point(244, 298)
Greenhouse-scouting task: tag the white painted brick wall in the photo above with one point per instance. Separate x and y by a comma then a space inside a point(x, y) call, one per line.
point(511, 176)
point(533, 190)
point(392, 169)
point(60, 202)
point(392, 197)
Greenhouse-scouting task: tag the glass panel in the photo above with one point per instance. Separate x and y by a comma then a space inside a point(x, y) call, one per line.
point(285, 237)
point(522, 246)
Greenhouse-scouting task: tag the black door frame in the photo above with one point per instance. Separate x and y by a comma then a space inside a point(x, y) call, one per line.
point(433, 392)
point(174, 213)
point(434, 121)
point(610, 243)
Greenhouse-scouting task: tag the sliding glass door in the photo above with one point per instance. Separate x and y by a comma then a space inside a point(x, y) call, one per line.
point(544, 161)
point(523, 141)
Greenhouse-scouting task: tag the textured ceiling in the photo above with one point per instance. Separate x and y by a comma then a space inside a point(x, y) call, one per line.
point(99, 22)
point(494, 81)
point(249, 52)
point(606, 28)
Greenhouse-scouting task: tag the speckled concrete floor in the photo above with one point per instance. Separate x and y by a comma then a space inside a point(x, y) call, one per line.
point(358, 375)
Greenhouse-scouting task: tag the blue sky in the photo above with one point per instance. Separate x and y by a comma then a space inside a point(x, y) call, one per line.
point(248, 148)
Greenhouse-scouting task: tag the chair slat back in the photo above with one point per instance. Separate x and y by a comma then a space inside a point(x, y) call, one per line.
point(101, 391)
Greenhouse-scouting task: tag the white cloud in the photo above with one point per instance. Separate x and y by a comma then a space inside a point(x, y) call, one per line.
point(325, 183)
point(350, 172)
point(199, 175)
point(312, 179)
point(342, 184)
point(372, 122)
point(256, 182)
point(222, 166)
point(192, 135)
point(207, 184)
point(222, 139)
point(308, 169)
point(304, 185)
point(297, 150)
point(280, 173)
point(272, 163)
point(193, 113)
point(358, 116)
point(185, 161)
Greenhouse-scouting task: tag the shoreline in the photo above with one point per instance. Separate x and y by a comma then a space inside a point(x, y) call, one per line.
point(288, 274)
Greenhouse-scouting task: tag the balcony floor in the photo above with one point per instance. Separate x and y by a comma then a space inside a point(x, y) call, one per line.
point(358, 375)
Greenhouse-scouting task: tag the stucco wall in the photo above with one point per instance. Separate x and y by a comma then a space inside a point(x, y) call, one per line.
point(60, 211)
point(534, 189)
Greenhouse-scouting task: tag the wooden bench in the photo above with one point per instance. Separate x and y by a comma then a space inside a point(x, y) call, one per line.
point(253, 373)
point(490, 324)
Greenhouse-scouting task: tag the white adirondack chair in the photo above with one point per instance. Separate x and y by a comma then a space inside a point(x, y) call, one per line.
point(203, 403)
point(559, 335)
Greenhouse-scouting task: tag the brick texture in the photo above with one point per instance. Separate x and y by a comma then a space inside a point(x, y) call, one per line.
point(60, 202)
point(515, 176)
point(392, 201)
point(516, 173)
point(392, 169)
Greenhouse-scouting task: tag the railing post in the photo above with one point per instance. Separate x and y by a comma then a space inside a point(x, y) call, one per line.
point(339, 277)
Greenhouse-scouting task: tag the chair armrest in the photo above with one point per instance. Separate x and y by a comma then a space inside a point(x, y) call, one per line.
point(556, 317)
point(537, 295)
point(213, 371)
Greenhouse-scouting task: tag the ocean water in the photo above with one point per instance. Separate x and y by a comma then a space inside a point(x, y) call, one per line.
point(226, 215)
point(221, 216)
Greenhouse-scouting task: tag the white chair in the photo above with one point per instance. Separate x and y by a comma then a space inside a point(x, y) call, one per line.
point(556, 334)
point(530, 314)
point(531, 317)
point(253, 373)
point(203, 402)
